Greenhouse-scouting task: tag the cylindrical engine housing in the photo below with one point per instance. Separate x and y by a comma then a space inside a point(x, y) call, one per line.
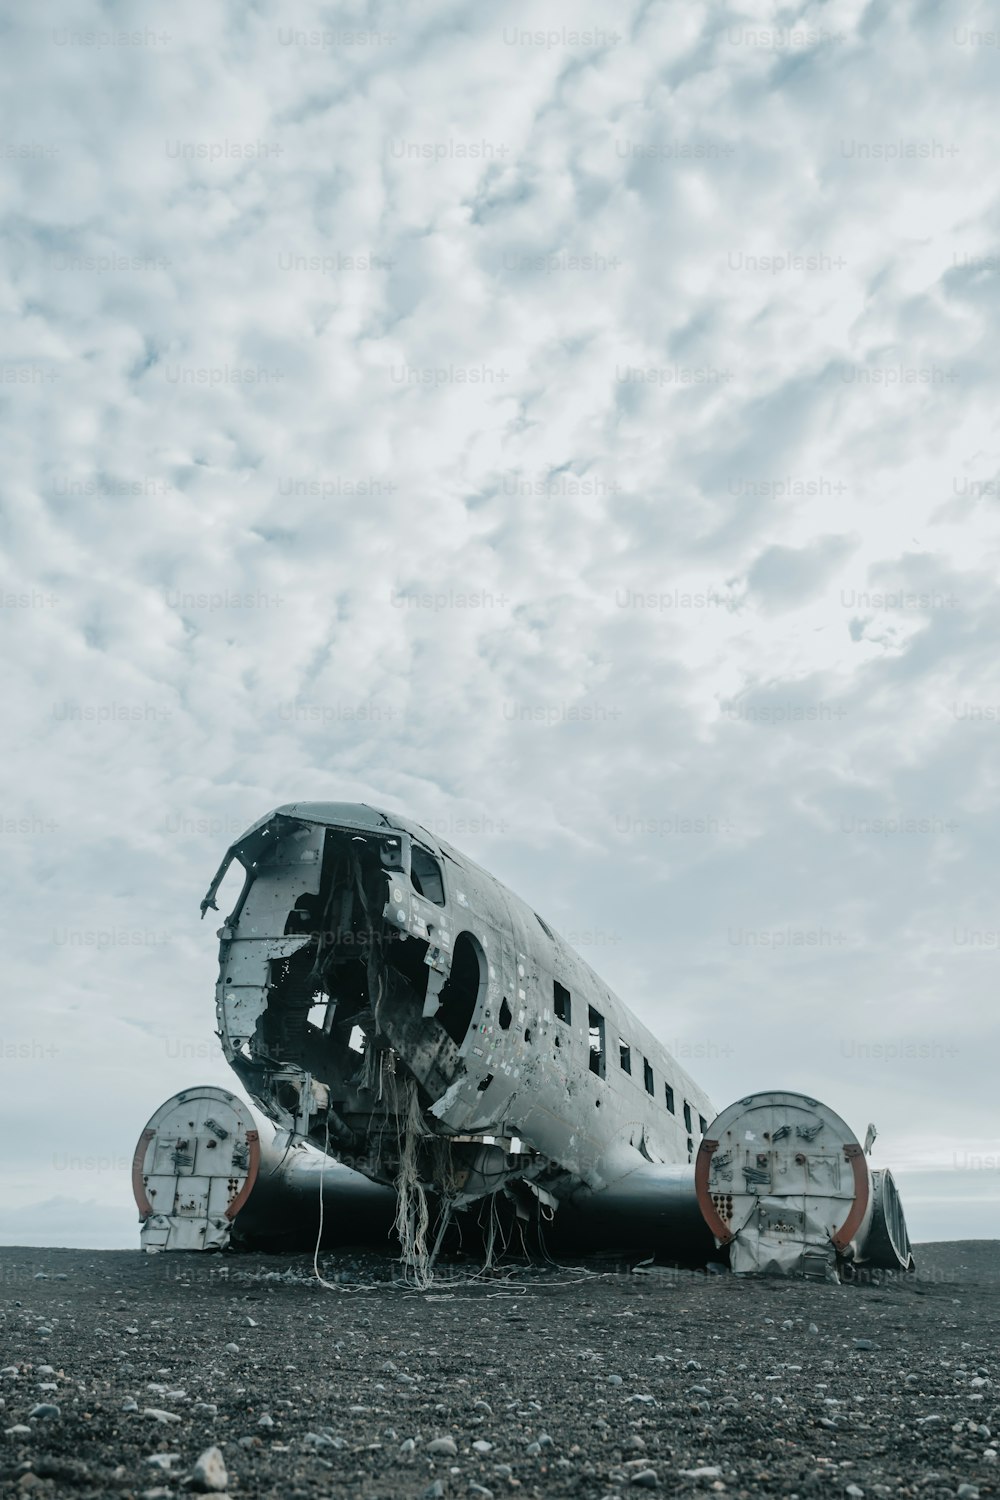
point(784, 1183)
point(203, 1178)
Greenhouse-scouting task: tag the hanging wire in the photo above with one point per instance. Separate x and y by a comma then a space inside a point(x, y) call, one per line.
point(319, 1232)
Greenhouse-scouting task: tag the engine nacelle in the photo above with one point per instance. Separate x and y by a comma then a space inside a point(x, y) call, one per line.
point(785, 1185)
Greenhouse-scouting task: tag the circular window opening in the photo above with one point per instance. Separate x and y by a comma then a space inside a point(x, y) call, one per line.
point(463, 988)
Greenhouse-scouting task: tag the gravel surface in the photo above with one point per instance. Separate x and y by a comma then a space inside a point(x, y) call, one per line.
point(159, 1376)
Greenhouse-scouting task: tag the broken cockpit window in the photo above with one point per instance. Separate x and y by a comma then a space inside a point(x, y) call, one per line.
point(624, 1055)
point(562, 1003)
point(391, 853)
point(647, 1076)
point(425, 875)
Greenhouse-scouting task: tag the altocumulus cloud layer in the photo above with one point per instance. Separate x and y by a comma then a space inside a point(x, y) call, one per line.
point(573, 425)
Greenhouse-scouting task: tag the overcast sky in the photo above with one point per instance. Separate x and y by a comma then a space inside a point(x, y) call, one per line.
point(572, 425)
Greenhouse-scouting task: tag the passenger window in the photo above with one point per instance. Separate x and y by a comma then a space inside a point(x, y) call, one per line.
point(687, 1116)
point(625, 1055)
point(669, 1094)
point(647, 1076)
point(702, 1124)
point(425, 875)
point(595, 1027)
point(562, 1002)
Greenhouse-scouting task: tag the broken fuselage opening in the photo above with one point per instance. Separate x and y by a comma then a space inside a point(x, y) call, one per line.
point(346, 961)
point(346, 1000)
point(464, 989)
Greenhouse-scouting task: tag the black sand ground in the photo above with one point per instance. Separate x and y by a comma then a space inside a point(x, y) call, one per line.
point(580, 1383)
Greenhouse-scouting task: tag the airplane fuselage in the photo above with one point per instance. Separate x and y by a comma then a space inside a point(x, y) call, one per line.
point(375, 985)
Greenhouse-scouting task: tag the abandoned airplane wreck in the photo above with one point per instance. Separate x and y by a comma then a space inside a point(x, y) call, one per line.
point(388, 1002)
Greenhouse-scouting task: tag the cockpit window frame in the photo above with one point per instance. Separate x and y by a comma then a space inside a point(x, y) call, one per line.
point(417, 880)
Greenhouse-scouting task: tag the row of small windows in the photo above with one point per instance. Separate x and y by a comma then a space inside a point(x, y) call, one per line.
point(425, 876)
point(563, 1006)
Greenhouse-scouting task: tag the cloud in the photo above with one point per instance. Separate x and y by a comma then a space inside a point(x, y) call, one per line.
point(793, 575)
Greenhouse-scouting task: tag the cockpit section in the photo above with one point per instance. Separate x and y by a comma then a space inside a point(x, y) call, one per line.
point(347, 1000)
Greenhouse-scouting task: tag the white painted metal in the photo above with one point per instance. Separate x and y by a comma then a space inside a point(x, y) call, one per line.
point(785, 1183)
point(195, 1163)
